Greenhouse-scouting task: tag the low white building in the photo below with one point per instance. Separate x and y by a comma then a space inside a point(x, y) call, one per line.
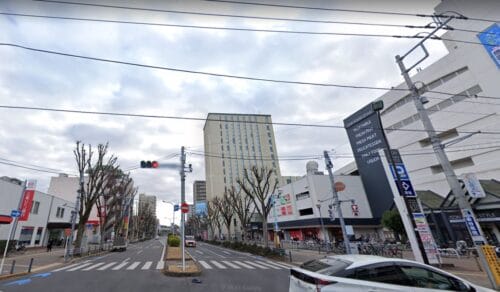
point(49, 215)
point(298, 216)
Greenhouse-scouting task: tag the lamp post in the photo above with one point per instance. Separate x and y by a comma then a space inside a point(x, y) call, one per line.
point(173, 214)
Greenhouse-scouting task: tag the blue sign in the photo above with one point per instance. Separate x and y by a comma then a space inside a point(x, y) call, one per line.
point(405, 184)
point(201, 208)
point(471, 224)
point(15, 213)
point(176, 208)
point(490, 38)
point(403, 174)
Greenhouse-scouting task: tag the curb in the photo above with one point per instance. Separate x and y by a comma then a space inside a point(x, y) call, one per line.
point(166, 272)
point(8, 276)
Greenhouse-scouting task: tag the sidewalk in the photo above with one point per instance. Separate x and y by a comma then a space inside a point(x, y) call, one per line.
point(41, 259)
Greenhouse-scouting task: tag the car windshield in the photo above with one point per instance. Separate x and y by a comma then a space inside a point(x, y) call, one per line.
point(328, 267)
point(189, 237)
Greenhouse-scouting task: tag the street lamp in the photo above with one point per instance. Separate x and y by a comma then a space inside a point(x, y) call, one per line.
point(173, 214)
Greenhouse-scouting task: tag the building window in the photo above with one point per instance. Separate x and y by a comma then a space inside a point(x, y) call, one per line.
point(34, 207)
point(301, 196)
point(456, 164)
point(269, 134)
point(443, 136)
point(38, 235)
point(60, 212)
point(222, 147)
point(227, 147)
point(271, 148)
point(305, 212)
point(26, 235)
point(267, 127)
point(270, 142)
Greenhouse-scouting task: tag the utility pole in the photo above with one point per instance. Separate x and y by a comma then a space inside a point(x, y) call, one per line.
point(183, 199)
point(325, 236)
point(74, 214)
point(329, 166)
point(471, 222)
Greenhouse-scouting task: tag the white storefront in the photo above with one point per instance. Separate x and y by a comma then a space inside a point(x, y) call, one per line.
point(48, 216)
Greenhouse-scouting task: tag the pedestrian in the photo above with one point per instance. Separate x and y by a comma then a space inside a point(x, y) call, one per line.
point(49, 246)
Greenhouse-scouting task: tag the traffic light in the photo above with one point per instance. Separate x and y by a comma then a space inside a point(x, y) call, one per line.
point(150, 164)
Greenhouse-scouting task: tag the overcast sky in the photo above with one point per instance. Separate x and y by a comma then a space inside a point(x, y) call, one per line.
point(35, 79)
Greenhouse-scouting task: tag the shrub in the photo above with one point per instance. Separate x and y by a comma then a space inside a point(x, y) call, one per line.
point(173, 241)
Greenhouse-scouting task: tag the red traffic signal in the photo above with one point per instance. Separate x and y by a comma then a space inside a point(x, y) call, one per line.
point(150, 164)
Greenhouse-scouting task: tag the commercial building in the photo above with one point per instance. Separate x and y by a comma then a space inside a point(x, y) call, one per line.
point(147, 204)
point(49, 215)
point(302, 207)
point(199, 191)
point(470, 73)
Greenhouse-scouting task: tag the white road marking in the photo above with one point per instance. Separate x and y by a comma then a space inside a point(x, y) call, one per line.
point(216, 253)
point(280, 265)
point(226, 252)
point(164, 248)
point(146, 266)
point(268, 265)
point(106, 266)
point(79, 267)
point(198, 251)
point(218, 265)
point(205, 264)
point(160, 265)
point(67, 267)
point(126, 260)
point(123, 264)
point(257, 265)
point(93, 267)
point(231, 265)
point(139, 252)
point(133, 266)
point(244, 265)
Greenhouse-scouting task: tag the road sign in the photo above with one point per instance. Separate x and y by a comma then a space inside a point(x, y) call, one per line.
point(176, 208)
point(15, 213)
point(185, 207)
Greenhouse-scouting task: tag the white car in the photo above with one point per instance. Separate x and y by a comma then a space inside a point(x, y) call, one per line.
point(189, 241)
point(374, 273)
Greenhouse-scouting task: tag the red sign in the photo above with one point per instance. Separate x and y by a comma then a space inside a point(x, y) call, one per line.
point(355, 209)
point(185, 207)
point(27, 200)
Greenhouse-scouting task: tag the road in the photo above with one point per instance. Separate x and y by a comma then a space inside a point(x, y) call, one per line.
point(138, 269)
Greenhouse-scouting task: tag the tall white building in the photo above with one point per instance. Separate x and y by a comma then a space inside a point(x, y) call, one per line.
point(468, 71)
point(233, 143)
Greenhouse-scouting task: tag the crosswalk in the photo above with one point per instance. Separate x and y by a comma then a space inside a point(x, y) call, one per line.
point(150, 265)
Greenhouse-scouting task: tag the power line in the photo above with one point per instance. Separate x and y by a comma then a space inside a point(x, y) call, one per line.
point(345, 10)
point(32, 168)
point(213, 74)
point(213, 120)
point(248, 29)
point(34, 165)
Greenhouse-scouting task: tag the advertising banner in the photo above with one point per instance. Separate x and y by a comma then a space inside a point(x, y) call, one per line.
point(27, 200)
point(490, 38)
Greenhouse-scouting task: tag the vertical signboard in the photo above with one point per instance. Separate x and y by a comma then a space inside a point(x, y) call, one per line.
point(413, 207)
point(27, 200)
point(366, 138)
point(473, 186)
point(490, 38)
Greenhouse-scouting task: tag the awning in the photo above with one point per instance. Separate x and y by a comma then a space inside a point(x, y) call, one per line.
point(5, 219)
point(58, 225)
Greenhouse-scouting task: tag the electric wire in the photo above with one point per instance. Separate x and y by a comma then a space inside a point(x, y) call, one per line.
point(216, 120)
point(35, 169)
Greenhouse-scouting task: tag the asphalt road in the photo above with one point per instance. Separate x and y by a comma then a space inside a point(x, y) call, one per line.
point(138, 269)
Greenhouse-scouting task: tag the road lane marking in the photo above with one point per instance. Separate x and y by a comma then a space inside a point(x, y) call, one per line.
point(146, 266)
point(164, 248)
point(231, 265)
point(79, 267)
point(257, 265)
point(123, 264)
point(244, 265)
point(218, 265)
point(67, 267)
point(280, 265)
point(205, 264)
point(93, 267)
point(216, 253)
point(139, 252)
point(198, 251)
point(226, 252)
point(126, 260)
point(160, 265)
point(268, 265)
point(133, 266)
point(106, 266)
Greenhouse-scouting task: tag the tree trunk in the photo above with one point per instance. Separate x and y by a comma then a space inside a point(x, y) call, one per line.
point(264, 232)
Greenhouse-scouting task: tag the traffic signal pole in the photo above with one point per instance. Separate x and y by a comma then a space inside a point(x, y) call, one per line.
point(183, 197)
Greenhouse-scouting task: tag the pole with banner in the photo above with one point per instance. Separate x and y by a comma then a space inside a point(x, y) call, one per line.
point(13, 214)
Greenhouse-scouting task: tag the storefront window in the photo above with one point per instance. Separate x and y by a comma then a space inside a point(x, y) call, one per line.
point(26, 235)
point(38, 235)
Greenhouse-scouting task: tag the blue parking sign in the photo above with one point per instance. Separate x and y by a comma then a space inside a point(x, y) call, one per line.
point(15, 213)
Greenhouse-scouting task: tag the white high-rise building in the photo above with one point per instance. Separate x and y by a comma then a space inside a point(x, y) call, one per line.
point(233, 143)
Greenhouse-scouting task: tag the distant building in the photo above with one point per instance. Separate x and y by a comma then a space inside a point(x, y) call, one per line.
point(147, 204)
point(199, 191)
point(49, 215)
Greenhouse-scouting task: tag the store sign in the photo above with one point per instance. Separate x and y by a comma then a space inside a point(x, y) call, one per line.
point(473, 226)
point(490, 38)
point(27, 200)
point(473, 186)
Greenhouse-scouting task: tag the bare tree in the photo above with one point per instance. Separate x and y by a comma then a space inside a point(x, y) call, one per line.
point(213, 217)
point(225, 210)
point(98, 172)
point(241, 207)
point(258, 185)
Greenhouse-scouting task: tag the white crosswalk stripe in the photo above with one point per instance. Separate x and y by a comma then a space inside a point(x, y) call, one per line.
point(67, 267)
point(106, 266)
point(93, 267)
point(79, 267)
point(123, 264)
point(257, 265)
point(285, 266)
point(218, 265)
point(244, 265)
point(160, 265)
point(228, 263)
point(146, 266)
point(205, 265)
point(133, 266)
point(268, 265)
